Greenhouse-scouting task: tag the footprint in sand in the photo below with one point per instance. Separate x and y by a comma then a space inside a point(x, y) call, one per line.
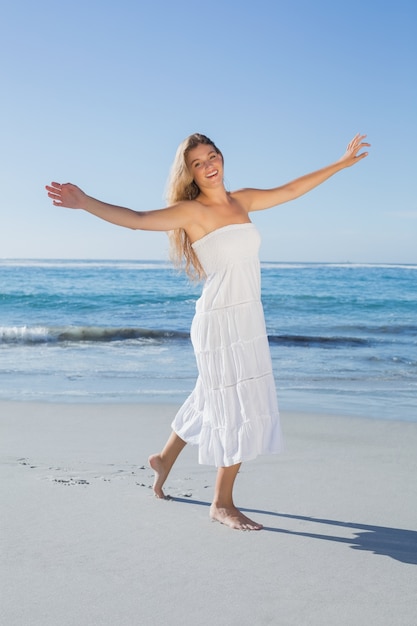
point(70, 481)
point(26, 462)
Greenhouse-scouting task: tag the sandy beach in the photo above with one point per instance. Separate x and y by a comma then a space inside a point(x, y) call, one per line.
point(85, 543)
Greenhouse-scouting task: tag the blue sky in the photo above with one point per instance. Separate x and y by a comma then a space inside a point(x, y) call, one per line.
point(100, 94)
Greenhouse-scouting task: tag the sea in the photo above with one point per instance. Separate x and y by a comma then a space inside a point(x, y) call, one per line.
point(343, 337)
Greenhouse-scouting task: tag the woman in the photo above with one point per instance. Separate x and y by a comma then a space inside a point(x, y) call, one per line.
point(232, 414)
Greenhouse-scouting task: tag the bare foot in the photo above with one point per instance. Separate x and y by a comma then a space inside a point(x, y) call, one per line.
point(232, 517)
point(161, 473)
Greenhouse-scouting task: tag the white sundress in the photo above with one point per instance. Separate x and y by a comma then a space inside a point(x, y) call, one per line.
point(232, 413)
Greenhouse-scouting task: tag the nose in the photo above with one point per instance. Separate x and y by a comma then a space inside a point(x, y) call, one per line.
point(209, 164)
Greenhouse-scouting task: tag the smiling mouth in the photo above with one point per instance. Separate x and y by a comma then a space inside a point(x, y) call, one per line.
point(212, 174)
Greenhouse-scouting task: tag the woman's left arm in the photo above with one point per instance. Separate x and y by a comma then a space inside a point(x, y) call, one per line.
point(258, 199)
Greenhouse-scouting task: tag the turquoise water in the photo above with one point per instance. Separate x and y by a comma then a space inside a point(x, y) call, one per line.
point(343, 337)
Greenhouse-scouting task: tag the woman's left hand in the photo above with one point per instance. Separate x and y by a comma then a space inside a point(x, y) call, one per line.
point(351, 155)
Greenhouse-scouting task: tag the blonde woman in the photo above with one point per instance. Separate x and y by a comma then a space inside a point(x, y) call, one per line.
point(232, 413)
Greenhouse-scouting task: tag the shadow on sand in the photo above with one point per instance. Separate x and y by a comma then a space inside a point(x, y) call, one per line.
point(396, 543)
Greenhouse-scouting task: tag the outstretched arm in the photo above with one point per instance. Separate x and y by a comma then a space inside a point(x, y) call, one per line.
point(70, 196)
point(258, 199)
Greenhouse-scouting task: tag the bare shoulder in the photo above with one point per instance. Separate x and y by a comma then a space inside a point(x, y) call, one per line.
point(244, 197)
point(178, 215)
point(192, 207)
point(185, 210)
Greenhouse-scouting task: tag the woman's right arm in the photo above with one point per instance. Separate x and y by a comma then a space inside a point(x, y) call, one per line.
point(72, 197)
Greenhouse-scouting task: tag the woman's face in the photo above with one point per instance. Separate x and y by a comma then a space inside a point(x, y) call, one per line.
point(205, 166)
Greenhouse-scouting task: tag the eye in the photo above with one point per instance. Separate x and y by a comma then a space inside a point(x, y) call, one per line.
point(213, 156)
point(197, 164)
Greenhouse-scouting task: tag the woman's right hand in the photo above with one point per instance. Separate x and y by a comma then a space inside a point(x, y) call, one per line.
point(66, 195)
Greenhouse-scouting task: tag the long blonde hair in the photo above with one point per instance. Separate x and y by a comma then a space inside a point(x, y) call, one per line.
point(181, 186)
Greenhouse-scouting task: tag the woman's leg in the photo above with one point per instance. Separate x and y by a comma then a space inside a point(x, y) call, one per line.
point(162, 463)
point(223, 509)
